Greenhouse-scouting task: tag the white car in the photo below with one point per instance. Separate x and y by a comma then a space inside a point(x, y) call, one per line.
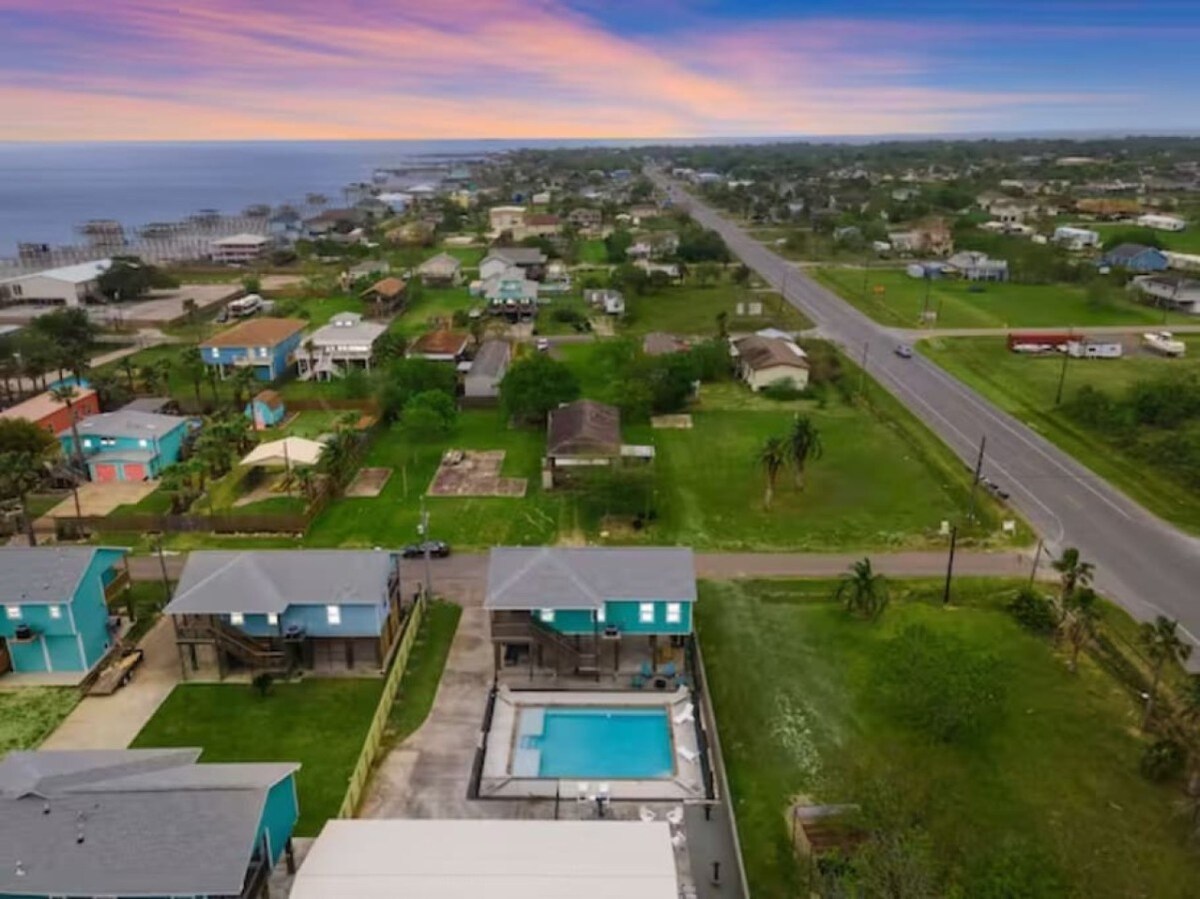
point(543, 345)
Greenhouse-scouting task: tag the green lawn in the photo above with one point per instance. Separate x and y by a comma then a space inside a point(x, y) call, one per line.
point(30, 714)
point(593, 252)
point(320, 723)
point(425, 663)
point(1186, 241)
point(436, 305)
point(793, 681)
point(902, 299)
point(690, 309)
point(1026, 386)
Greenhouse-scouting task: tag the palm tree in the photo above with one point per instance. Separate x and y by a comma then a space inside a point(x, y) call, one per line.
point(1083, 613)
point(20, 472)
point(191, 365)
point(1191, 698)
point(305, 478)
point(66, 393)
point(126, 365)
point(1162, 643)
point(1073, 572)
point(772, 457)
point(862, 591)
point(804, 442)
point(162, 368)
point(243, 379)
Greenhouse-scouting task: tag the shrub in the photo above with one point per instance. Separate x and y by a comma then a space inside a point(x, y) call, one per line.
point(940, 685)
point(1033, 611)
point(782, 390)
point(262, 683)
point(1162, 761)
point(429, 414)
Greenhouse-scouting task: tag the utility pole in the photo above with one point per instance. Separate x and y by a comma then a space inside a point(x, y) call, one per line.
point(925, 305)
point(862, 379)
point(1062, 375)
point(162, 566)
point(423, 530)
point(950, 565)
point(1037, 557)
point(975, 481)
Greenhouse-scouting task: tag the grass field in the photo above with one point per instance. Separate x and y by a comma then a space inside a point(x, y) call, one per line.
point(436, 305)
point(593, 252)
point(690, 309)
point(425, 663)
point(320, 723)
point(792, 679)
point(902, 300)
point(1026, 387)
point(1186, 241)
point(30, 714)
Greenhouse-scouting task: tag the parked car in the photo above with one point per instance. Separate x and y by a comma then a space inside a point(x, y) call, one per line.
point(439, 549)
point(543, 345)
point(904, 351)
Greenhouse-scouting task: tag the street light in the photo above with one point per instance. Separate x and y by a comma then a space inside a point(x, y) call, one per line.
point(423, 532)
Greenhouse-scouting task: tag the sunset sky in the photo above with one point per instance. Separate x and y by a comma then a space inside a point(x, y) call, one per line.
point(249, 69)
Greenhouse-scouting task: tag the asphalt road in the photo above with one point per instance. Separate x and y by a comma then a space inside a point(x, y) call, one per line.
point(1145, 564)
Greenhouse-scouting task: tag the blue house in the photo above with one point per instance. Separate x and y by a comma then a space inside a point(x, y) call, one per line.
point(56, 603)
point(319, 610)
point(142, 822)
point(265, 345)
point(1135, 258)
point(579, 611)
point(127, 445)
point(266, 410)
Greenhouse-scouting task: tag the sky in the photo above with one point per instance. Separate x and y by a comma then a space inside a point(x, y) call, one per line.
point(424, 69)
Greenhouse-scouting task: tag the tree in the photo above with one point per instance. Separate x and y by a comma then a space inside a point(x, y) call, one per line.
point(1073, 573)
point(535, 385)
point(772, 457)
point(1162, 644)
point(429, 414)
point(17, 435)
point(65, 393)
point(723, 324)
point(129, 278)
point(192, 367)
point(862, 591)
point(741, 275)
point(616, 245)
point(242, 381)
point(706, 273)
point(21, 472)
point(126, 366)
point(405, 378)
point(251, 284)
point(804, 443)
point(1083, 614)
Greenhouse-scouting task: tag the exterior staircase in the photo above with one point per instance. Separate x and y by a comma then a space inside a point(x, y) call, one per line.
point(582, 661)
point(235, 643)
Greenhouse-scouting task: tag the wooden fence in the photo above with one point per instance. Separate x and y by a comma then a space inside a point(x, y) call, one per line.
point(373, 744)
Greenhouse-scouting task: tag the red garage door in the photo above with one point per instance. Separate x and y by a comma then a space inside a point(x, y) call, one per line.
point(106, 472)
point(135, 471)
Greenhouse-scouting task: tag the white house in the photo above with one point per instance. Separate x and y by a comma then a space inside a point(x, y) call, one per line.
point(332, 350)
point(239, 249)
point(482, 381)
point(1076, 238)
point(506, 218)
point(762, 361)
point(71, 285)
point(1171, 291)
point(499, 260)
point(1161, 222)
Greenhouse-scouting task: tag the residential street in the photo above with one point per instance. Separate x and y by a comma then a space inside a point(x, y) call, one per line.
point(1142, 562)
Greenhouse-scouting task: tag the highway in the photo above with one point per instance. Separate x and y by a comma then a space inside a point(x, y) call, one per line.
point(1145, 564)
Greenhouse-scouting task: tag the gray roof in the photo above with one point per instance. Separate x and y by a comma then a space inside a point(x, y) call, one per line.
point(519, 255)
point(1127, 252)
point(127, 423)
point(151, 404)
point(42, 575)
point(261, 581)
point(153, 822)
point(442, 263)
point(553, 578)
point(342, 330)
point(491, 360)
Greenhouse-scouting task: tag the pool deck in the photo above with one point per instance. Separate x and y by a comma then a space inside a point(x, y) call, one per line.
point(498, 781)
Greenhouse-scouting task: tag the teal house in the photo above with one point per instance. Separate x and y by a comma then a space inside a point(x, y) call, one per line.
point(56, 602)
point(591, 611)
point(127, 445)
point(142, 822)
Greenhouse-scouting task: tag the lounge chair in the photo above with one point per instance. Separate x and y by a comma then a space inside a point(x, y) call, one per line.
point(647, 815)
point(678, 840)
point(668, 670)
point(647, 670)
point(675, 816)
point(685, 715)
point(688, 755)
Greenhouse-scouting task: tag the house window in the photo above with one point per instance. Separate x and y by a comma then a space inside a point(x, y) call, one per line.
point(215, 352)
point(272, 619)
point(333, 614)
point(55, 612)
point(87, 442)
point(237, 618)
point(646, 612)
point(143, 443)
point(674, 612)
point(12, 613)
point(547, 615)
point(600, 615)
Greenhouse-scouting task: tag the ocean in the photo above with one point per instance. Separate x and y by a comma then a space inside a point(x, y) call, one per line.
point(47, 190)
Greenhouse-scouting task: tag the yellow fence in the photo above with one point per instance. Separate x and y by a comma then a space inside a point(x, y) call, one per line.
point(374, 741)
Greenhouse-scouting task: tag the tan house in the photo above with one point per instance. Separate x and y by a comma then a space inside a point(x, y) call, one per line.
point(762, 361)
point(506, 218)
point(538, 225)
point(441, 269)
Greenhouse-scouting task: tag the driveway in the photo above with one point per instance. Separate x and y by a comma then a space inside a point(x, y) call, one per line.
point(111, 722)
point(101, 499)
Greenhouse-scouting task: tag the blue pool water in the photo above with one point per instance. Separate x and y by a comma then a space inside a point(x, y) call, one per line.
point(595, 742)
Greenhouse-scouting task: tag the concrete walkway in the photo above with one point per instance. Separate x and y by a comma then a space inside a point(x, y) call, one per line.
point(111, 722)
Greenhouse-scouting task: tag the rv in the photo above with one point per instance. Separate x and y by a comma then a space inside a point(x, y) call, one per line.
point(1164, 343)
point(246, 306)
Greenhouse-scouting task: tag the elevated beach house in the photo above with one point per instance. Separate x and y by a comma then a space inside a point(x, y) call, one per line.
point(588, 611)
point(56, 603)
point(441, 270)
point(277, 610)
point(142, 822)
point(126, 445)
point(332, 350)
point(265, 345)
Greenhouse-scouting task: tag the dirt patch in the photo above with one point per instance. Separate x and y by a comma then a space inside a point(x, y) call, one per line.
point(369, 482)
point(470, 473)
point(280, 282)
point(681, 422)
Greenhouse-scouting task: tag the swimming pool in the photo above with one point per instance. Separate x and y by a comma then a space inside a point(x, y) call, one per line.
point(593, 741)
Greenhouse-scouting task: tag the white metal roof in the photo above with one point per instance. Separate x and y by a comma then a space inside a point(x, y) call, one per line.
point(510, 859)
point(81, 273)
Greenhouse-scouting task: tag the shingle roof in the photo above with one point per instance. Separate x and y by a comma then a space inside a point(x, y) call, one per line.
point(128, 423)
point(257, 332)
point(491, 359)
point(767, 352)
point(152, 822)
point(388, 288)
point(441, 343)
point(442, 263)
point(263, 581)
point(42, 575)
point(584, 427)
point(569, 578)
point(38, 407)
point(519, 255)
point(1127, 252)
